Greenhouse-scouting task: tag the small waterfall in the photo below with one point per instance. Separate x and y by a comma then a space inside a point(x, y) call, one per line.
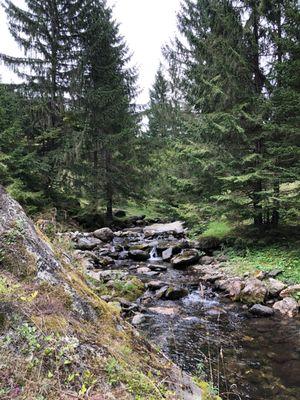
point(154, 255)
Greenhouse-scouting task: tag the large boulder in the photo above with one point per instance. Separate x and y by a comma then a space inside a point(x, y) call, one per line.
point(255, 291)
point(174, 228)
point(287, 307)
point(186, 258)
point(87, 243)
point(104, 234)
point(290, 291)
point(22, 250)
point(274, 286)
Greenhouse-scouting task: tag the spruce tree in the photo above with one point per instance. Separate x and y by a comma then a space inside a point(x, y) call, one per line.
point(104, 90)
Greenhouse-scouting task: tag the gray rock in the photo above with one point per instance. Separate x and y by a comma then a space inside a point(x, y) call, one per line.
point(288, 307)
point(175, 228)
point(155, 285)
point(262, 311)
point(170, 311)
point(138, 319)
point(104, 234)
point(143, 270)
point(167, 254)
point(158, 267)
point(138, 255)
point(274, 286)
point(186, 258)
point(87, 243)
point(254, 291)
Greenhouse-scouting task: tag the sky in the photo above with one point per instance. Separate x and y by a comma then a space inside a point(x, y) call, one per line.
point(146, 24)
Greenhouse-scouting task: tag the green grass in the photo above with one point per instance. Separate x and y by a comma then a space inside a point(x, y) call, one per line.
point(218, 229)
point(267, 259)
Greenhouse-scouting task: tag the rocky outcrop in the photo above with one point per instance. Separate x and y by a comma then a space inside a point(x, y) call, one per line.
point(23, 252)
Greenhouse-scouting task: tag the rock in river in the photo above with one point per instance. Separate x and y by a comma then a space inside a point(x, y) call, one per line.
point(288, 307)
point(254, 291)
point(262, 311)
point(186, 258)
point(138, 255)
point(104, 234)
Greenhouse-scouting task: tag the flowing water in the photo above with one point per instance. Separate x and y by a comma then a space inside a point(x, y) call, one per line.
point(243, 356)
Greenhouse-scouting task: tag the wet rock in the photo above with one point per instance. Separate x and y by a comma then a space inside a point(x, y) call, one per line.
point(232, 286)
point(262, 311)
point(140, 246)
point(175, 293)
point(155, 285)
point(158, 267)
point(87, 243)
point(186, 258)
point(171, 311)
point(290, 291)
point(143, 270)
point(254, 291)
point(167, 254)
point(288, 307)
point(274, 286)
point(138, 255)
point(104, 234)
point(138, 319)
point(175, 228)
point(206, 260)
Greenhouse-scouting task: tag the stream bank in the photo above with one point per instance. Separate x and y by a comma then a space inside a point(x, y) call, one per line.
point(185, 302)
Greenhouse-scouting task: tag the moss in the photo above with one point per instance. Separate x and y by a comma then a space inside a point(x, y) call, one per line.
point(209, 392)
point(51, 323)
point(16, 258)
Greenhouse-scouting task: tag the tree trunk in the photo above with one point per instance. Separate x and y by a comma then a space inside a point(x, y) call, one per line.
point(109, 187)
point(276, 185)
